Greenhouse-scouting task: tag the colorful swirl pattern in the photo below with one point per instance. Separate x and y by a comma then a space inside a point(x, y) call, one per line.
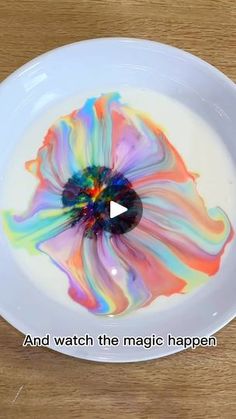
point(177, 244)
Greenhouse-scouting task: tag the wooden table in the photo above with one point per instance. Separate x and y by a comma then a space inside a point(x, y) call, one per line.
point(38, 383)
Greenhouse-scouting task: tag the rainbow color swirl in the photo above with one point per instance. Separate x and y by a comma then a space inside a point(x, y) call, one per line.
point(178, 242)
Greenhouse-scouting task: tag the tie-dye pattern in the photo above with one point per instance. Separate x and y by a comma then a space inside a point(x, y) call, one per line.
point(177, 244)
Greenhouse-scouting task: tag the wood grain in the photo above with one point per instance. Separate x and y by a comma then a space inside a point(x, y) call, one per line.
point(38, 383)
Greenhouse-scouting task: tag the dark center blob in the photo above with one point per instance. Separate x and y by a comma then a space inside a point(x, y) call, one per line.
point(89, 194)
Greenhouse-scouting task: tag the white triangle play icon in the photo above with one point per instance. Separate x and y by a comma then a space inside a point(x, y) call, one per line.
point(116, 209)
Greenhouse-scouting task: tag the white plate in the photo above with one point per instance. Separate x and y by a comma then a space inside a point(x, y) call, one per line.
point(34, 93)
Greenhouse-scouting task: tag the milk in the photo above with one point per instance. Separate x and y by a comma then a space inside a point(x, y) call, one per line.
point(198, 144)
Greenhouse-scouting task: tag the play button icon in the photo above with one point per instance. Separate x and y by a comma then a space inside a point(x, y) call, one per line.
point(102, 200)
point(116, 209)
point(122, 213)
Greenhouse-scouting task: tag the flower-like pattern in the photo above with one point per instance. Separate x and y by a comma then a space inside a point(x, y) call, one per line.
point(104, 151)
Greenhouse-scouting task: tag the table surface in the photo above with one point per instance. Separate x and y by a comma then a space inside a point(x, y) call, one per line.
point(38, 383)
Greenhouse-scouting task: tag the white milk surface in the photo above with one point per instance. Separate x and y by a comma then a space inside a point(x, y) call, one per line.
point(201, 148)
